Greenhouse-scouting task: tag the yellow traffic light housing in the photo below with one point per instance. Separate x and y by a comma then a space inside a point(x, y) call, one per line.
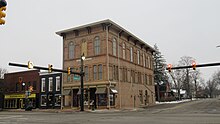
point(30, 65)
point(169, 66)
point(194, 65)
point(68, 71)
point(2, 15)
point(50, 68)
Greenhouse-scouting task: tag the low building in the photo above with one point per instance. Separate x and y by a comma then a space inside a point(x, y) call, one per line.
point(50, 90)
point(20, 88)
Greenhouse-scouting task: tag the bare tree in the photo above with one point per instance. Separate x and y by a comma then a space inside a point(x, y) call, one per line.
point(2, 72)
point(187, 74)
point(212, 85)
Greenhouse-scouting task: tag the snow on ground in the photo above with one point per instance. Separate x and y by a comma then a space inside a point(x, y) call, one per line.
point(174, 102)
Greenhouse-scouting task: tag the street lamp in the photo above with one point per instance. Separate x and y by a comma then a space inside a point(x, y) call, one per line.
point(82, 89)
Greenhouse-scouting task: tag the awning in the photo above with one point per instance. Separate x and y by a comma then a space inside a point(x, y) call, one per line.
point(113, 90)
point(100, 90)
point(79, 92)
point(66, 92)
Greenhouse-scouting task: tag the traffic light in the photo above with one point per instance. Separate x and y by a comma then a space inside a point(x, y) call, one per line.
point(2, 15)
point(50, 68)
point(68, 71)
point(194, 65)
point(169, 66)
point(3, 4)
point(30, 65)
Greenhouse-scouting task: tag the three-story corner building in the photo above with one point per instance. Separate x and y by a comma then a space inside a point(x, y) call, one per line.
point(50, 90)
point(118, 69)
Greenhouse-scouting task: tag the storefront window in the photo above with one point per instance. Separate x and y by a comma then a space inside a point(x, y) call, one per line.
point(43, 100)
point(102, 101)
point(57, 100)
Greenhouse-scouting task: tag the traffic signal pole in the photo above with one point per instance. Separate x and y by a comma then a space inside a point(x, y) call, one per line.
point(190, 66)
point(44, 68)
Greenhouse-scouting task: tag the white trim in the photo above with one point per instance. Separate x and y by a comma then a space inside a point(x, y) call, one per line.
point(57, 83)
point(43, 85)
point(50, 83)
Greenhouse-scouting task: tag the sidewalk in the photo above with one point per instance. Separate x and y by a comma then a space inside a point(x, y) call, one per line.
point(69, 110)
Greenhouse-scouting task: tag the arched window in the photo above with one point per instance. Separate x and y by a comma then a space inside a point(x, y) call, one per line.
point(124, 51)
point(138, 57)
point(71, 50)
point(114, 47)
point(144, 60)
point(97, 45)
point(131, 54)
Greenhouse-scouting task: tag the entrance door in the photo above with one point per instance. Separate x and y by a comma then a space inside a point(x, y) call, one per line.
point(21, 103)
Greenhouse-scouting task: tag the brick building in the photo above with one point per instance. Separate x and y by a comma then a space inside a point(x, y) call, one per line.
point(16, 84)
point(50, 90)
point(123, 78)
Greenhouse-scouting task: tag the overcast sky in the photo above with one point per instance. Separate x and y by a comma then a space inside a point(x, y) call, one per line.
point(178, 27)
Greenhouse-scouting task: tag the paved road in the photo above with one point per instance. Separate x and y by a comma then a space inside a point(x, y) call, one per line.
point(194, 112)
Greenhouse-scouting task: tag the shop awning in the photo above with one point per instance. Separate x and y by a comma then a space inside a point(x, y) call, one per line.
point(100, 90)
point(113, 90)
point(66, 92)
point(79, 92)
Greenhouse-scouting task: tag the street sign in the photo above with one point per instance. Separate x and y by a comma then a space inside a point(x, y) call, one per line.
point(76, 77)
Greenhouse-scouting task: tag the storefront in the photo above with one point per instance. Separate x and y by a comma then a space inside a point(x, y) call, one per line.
point(93, 97)
point(50, 100)
point(15, 101)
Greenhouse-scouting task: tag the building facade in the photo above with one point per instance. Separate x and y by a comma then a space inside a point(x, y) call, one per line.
point(50, 90)
point(17, 85)
point(118, 67)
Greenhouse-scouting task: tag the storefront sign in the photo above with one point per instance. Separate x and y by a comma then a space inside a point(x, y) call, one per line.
point(17, 96)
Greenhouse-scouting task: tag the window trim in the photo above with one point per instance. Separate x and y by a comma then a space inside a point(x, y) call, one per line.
point(97, 45)
point(43, 85)
point(57, 83)
point(131, 54)
point(71, 50)
point(50, 83)
point(114, 47)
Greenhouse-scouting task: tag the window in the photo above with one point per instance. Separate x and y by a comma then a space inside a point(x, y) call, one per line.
point(144, 60)
point(114, 47)
point(100, 72)
point(86, 73)
point(50, 83)
point(57, 99)
point(43, 100)
point(94, 72)
point(102, 101)
point(43, 85)
point(138, 57)
point(97, 46)
point(58, 83)
point(71, 50)
point(131, 54)
point(148, 61)
point(123, 51)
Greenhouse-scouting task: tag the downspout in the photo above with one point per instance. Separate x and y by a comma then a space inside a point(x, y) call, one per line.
point(119, 84)
point(107, 56)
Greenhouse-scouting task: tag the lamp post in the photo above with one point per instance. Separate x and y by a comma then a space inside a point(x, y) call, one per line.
point(82, 87)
